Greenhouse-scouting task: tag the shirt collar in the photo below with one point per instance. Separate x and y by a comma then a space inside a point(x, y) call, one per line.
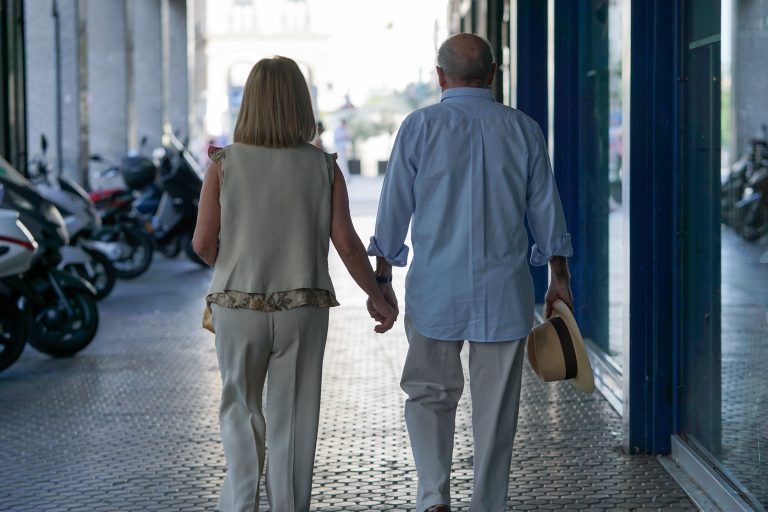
point(475, 92)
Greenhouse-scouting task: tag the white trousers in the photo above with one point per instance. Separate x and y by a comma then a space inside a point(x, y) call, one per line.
point(433, 379)
point(288, 346)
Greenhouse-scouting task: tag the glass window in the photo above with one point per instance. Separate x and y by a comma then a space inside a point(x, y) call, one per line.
point(744, 244)
point(603, 211)
point(725, 356)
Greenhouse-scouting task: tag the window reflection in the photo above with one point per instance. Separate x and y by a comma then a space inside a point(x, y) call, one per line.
point(615, 160)
point(744, 246)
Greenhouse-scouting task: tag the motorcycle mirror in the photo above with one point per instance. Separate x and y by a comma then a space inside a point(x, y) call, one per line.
point(44, 143)
point(95, 158)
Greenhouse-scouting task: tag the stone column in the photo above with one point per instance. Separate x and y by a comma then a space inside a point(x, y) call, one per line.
point(177, 65)
point(107, 78)
point(146, 80)
point(41, 82)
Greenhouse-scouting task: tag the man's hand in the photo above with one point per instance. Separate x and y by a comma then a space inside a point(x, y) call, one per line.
point(559, 286)
point(558, 289)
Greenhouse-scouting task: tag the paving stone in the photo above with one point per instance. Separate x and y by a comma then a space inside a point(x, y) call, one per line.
point(131, 423)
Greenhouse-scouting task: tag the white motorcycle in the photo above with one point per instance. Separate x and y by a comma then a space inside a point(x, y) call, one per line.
point(84, 257)
point(17, 251)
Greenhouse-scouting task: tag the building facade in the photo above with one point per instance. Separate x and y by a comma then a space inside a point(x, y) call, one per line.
point(101, 77)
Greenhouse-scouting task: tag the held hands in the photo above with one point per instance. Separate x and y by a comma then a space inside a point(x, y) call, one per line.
point(383, 308)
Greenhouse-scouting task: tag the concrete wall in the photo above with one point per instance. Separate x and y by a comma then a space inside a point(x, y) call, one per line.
point(750, 72)
point(41, 82)
point(126, 58)
point(107, 78)
point(177, 84)
point(146, 80)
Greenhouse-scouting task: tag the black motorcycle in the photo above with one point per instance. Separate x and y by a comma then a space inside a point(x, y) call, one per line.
point(120, 223)
point(744, 193)
point(60, 311)
point(180, 181)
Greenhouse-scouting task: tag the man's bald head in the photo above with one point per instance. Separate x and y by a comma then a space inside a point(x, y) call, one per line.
point(466, 59)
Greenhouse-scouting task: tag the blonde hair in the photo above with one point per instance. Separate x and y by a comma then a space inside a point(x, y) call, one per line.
point(276, 110)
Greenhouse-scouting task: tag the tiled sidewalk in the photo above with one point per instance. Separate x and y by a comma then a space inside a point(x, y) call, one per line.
point(131, 423)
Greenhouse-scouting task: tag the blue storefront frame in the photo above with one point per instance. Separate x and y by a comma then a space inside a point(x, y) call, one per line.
point(654, 236)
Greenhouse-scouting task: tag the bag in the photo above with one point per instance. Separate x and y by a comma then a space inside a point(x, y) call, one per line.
point(207, 319)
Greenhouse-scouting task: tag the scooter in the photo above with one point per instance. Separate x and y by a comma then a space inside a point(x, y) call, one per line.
point(83, 257)
point(59, 309)
point(751, 212)
point(744, 193)
point(17, 251)
point(181, 181)
point(121, 224)
point(741, 176)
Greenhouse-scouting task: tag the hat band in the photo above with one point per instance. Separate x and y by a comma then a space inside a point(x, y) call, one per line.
point(566, 343)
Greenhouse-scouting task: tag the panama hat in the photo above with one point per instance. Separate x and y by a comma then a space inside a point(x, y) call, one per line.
point(556, 350)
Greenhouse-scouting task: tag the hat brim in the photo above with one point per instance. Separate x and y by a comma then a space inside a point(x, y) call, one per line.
point(584, 380)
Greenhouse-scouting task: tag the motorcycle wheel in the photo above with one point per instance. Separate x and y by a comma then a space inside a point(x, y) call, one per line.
point(755, 226)
point(186, 243)
point(13, 334)
point(101, 274)
point(55, 331)
point(170, 249)
point(139, 257)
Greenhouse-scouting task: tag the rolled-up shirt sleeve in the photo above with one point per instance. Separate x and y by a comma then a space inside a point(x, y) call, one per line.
point(396, 202)
point(543, 207)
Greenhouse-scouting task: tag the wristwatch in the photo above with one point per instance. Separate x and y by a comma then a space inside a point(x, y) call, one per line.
point(384, 279)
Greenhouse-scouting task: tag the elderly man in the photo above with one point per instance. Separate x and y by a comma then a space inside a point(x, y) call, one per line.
point(468, 170)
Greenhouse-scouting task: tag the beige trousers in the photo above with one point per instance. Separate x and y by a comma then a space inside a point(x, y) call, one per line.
point(434, 381)
point(287, 346)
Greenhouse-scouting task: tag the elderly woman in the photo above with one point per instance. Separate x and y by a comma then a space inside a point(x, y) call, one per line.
point(269, 206)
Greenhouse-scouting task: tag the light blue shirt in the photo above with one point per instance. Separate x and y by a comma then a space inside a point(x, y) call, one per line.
point(467, 170)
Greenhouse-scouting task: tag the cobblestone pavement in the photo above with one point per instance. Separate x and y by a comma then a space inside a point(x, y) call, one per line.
point(131, 424)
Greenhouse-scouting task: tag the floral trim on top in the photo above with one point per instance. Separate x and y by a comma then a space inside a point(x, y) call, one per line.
point(216, 153)
point(277, 301)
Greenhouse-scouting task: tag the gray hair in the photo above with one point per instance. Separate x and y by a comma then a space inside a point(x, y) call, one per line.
point(466, 57)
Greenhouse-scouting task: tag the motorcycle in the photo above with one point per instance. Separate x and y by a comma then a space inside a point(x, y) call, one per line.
point(744, 193)
point(180, 181)
point(121, 223)
point(59, 309)
point(752, 209)
point(83, 257)
point(17, 250)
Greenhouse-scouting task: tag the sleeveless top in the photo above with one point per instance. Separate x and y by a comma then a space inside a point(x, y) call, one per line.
point(275, 228)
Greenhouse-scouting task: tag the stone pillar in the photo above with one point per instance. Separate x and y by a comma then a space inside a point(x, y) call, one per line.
point(177, 65)
point(41, 82)
point(107, 78)
point(750, 74)
point(146, 80)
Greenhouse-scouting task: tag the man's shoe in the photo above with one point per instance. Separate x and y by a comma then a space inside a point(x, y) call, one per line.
point(439, 508)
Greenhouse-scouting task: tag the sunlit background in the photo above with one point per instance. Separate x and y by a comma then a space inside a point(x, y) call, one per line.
point(369, 63)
